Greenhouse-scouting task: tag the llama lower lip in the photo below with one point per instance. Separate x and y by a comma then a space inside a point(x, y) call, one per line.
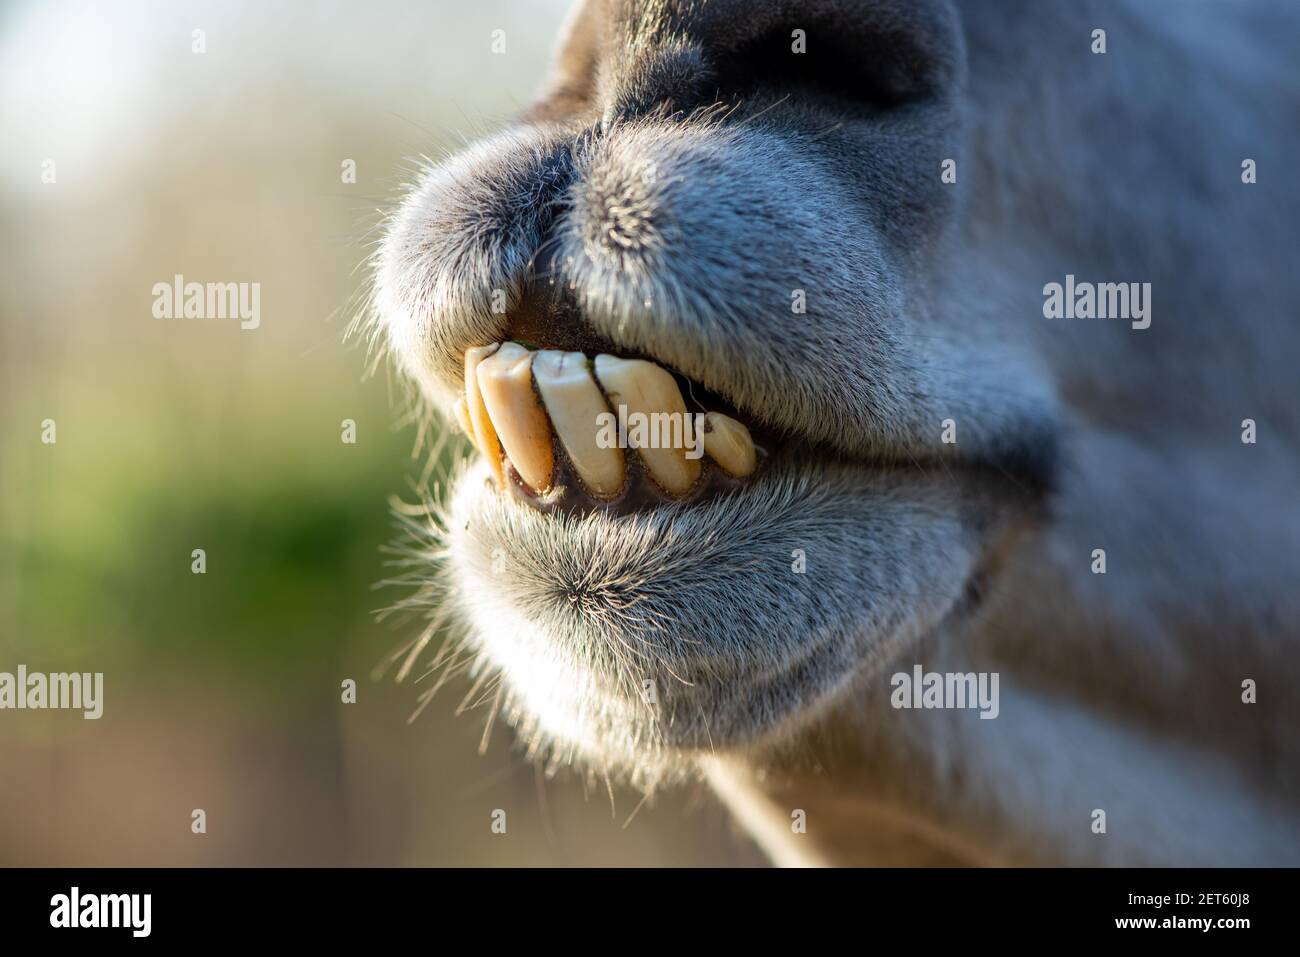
point(559, 591)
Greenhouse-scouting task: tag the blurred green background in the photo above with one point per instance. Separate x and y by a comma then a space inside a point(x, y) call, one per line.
point(222, 690)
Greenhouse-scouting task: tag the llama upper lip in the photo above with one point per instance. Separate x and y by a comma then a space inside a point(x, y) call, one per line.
point(875, 433)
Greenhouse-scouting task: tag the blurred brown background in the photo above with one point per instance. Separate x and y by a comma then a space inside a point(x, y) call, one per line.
point(222, 691)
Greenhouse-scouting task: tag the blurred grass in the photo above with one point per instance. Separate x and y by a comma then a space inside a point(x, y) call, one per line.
point(222, 689)
point(291, 520)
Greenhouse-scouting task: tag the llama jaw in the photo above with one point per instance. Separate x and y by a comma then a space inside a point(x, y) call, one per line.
point(559, 429)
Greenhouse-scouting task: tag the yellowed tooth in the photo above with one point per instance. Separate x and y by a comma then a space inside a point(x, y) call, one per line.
point(460, 413)
point(575, 405)
point(729, 444)
point(485, 437)
point(649, 389)
point(505, 379)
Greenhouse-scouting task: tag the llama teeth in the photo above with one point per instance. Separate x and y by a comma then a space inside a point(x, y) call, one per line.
point(729, 443)
point(460, 414)
point(649, 389)
point(575, 404)
point(484, 436)
point(505, 380)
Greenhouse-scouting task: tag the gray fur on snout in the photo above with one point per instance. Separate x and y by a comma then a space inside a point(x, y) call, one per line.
point(922, 186)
